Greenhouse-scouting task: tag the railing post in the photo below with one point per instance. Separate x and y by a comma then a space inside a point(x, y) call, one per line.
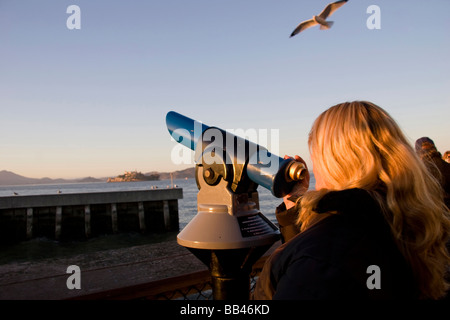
point(29, 223)
point(87, 220)
point(141, 216)
point(114, 217)
point(166, 213)
point(58, 218)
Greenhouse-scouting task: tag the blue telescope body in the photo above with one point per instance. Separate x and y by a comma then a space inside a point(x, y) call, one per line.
point(184, 130)
point(259, 165)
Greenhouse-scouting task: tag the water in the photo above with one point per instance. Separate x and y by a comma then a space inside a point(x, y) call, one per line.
point(44, 248)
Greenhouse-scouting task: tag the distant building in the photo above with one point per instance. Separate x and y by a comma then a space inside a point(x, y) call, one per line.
point(132, 176)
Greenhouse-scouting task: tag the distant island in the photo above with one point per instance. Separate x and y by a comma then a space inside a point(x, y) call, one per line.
point(131, 176)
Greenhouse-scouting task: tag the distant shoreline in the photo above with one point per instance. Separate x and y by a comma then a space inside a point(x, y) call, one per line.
point(8, 178)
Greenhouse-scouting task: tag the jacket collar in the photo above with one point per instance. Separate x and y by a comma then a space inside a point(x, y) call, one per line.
point(349, 201)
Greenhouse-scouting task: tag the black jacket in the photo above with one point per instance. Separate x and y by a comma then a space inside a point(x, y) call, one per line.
point(333, 258)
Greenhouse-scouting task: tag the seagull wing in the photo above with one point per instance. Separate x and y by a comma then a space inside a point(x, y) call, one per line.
point(330, 8)
point(303, 26)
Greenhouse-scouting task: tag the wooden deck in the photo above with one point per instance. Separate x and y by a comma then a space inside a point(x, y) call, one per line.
point(139, 272)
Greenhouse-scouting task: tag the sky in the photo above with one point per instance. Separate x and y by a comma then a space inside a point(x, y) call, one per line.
point(92, 101)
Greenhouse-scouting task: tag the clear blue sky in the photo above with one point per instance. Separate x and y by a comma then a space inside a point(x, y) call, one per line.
point(93, 101)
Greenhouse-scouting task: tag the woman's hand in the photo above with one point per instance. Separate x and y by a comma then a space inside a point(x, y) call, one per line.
point(299, 189)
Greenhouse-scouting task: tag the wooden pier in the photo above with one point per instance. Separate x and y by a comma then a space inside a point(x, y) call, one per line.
point(156, 271)
point(83, 215)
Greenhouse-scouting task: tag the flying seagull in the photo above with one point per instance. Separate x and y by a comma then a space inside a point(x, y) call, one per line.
point(320, 19)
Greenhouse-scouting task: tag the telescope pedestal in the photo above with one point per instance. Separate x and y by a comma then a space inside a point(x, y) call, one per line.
point(228, 234)
point(230, 270)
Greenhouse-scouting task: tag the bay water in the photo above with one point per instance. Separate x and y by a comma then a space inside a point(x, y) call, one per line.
point(42, 248)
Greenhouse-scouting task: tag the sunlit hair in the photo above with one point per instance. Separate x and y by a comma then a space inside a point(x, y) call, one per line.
point(358, 145)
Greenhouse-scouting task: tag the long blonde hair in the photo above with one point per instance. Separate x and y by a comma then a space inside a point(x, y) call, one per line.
point(359, 145)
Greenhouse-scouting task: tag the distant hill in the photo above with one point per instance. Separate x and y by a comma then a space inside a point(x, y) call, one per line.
point(180, 174)
point(90, 179)
point(8, 178)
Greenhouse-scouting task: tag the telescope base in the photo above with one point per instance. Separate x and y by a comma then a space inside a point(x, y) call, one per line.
point(230, 270)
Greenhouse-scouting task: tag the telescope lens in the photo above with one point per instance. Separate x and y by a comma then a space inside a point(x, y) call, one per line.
point(297, 171)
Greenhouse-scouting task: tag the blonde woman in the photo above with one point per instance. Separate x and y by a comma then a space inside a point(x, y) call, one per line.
point(375, 227)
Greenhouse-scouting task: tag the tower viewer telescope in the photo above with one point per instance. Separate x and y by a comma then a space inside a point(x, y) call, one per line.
point(229, 233)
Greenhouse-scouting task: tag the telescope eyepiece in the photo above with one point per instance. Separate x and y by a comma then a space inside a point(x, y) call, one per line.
point(296, 171)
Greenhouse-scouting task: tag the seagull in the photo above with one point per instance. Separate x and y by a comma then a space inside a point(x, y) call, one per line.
point(15, 193)
point(320, 19)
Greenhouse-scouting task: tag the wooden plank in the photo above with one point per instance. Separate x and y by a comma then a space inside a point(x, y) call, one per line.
point(151, 289)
